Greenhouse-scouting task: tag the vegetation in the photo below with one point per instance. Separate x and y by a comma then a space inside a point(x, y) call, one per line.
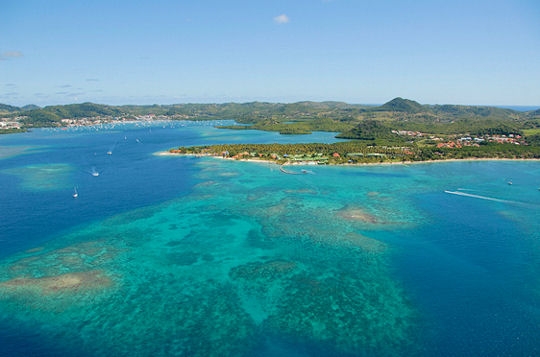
point(52, 115)
point(336, 153)
point(11, 131)
point(353, 152)
point(401, 129)
point(401, 105)
point(297, 127)
point(534, 139)
point(370, 130)
point(4, 108)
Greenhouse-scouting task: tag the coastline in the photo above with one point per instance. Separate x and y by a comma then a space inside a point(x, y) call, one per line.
point(314, 163)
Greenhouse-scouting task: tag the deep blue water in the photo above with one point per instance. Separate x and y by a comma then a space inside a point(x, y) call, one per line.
point(164, 255)
point(129, 178)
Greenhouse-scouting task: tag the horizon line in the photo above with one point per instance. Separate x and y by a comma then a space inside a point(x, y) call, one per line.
point(507, 106)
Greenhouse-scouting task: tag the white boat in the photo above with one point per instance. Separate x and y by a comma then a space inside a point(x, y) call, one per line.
point(75, 193)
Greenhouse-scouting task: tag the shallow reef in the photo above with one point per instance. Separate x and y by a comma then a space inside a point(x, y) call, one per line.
point(42, 177)
point(203, 275)
point(73, 282)
point(345, 314)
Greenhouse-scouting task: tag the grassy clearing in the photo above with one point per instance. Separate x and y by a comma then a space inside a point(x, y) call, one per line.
point(528, 132)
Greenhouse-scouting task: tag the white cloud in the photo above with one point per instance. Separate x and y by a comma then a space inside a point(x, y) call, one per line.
point(282, 19)
point(10, 54)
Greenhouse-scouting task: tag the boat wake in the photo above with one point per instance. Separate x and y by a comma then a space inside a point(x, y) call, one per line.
point(94, 172)
point(303, 172)
point(487, 198)
point(460, 193)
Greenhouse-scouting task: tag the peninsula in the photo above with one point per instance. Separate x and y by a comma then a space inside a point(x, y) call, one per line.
point(401, 130)
point(356, 152)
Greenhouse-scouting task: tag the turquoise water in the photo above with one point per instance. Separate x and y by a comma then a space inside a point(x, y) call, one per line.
point(207, 257)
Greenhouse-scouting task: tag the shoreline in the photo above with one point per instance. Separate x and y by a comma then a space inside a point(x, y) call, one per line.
point(314, 163)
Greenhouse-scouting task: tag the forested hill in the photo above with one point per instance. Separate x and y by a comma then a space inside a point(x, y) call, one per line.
point(258, 110)
point(56, 113)
point(4, 108)
point(406, 106)
point(402, 105)
point(302, 117)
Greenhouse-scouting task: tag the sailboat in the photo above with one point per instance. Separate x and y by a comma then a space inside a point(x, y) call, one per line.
point(110, 151)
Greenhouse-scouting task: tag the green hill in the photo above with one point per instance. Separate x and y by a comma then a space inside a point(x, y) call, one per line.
point(29, 107)
point(470, 111)
point(5, 108)
point(352, 121)
point(401, 105)
point(52, 115)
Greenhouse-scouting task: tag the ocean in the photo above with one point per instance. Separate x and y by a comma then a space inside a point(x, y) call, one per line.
point(185, 256)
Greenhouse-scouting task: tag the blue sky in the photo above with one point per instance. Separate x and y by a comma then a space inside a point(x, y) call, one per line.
point(215, 51)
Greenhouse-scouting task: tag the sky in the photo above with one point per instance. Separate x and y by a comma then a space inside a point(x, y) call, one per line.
point(473, 52)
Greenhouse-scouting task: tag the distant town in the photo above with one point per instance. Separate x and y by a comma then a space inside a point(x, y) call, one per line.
point(18, 121)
